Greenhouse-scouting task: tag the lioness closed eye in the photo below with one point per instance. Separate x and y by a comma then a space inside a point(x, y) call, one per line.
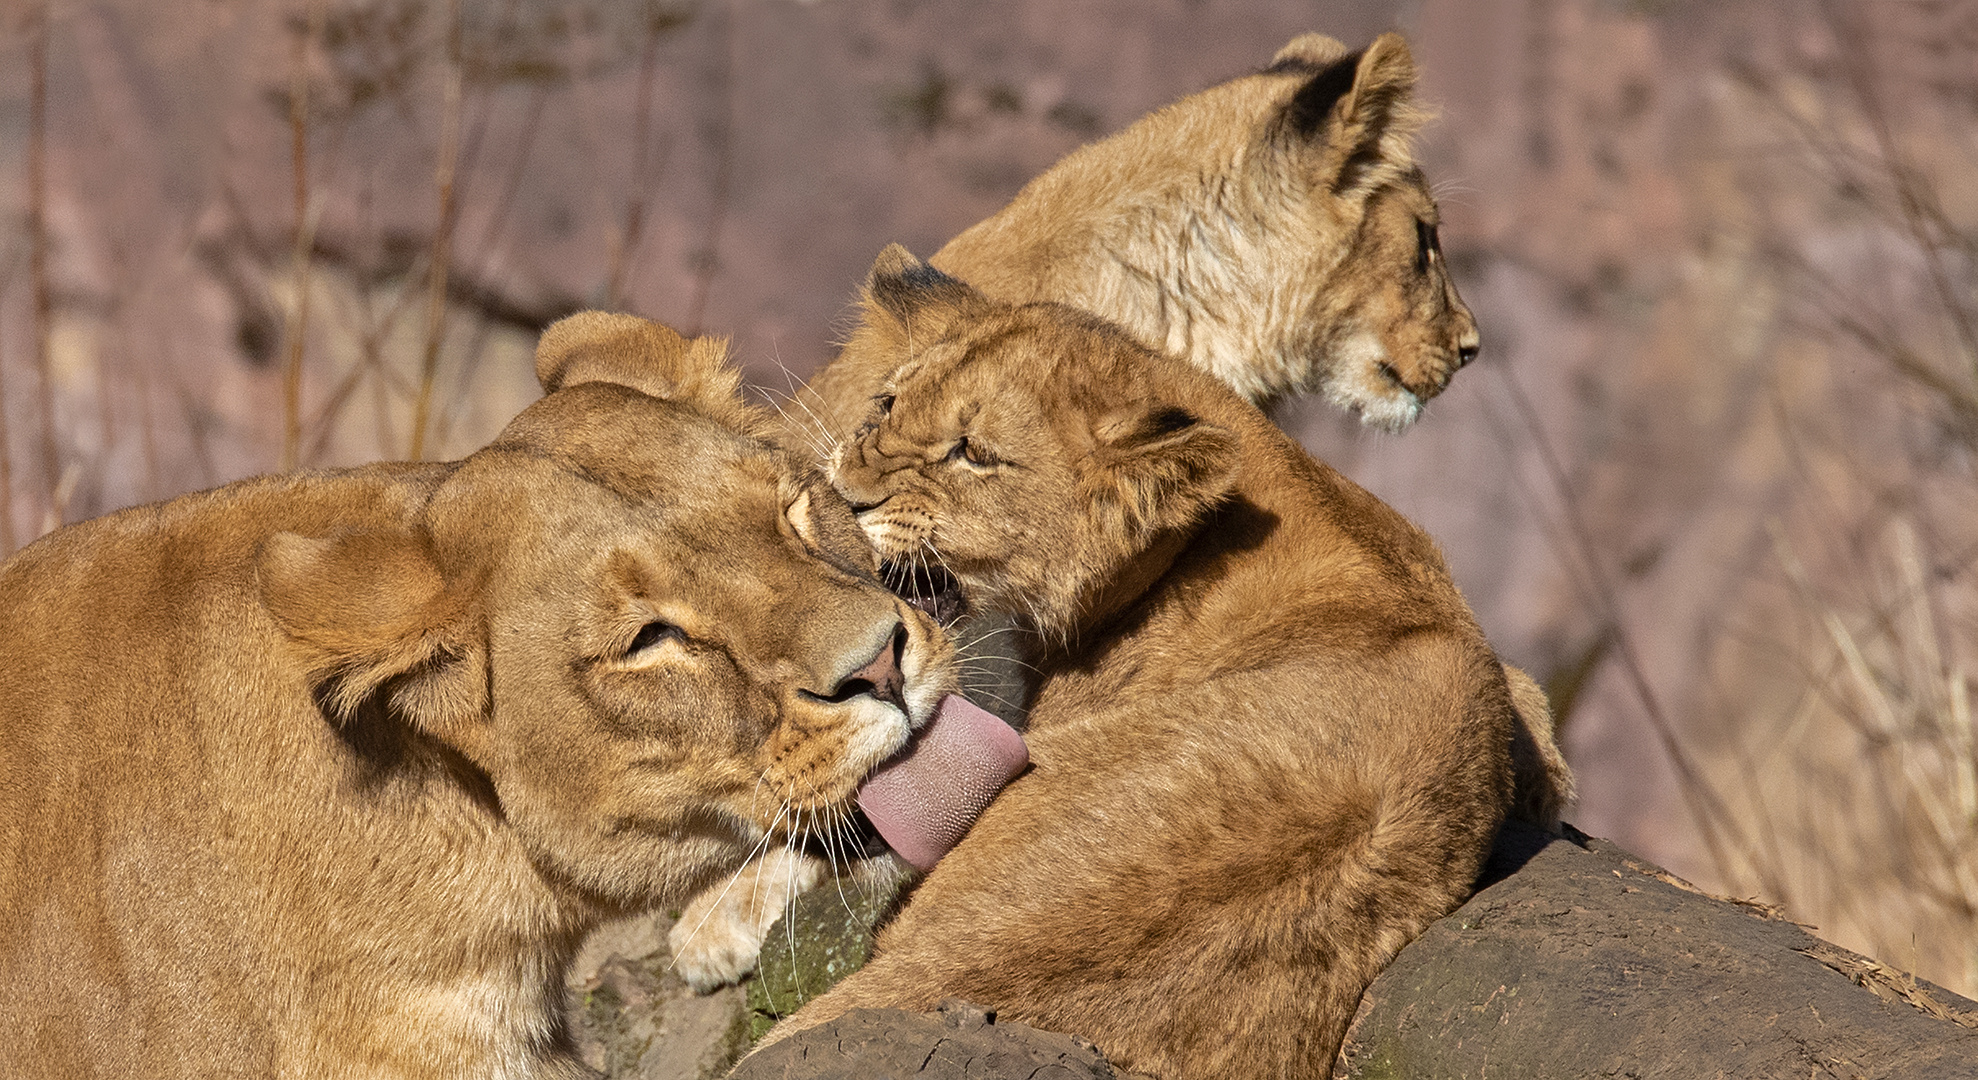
point(327, 775)
point(1269, 743)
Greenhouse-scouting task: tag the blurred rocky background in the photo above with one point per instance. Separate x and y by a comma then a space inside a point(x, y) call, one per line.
point(1713, 478)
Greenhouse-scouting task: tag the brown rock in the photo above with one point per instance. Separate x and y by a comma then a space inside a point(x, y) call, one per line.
point(1578, 959)
point(960, 1041)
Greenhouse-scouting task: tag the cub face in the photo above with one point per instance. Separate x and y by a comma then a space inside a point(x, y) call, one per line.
point(1275, 231)
point(1390, 321)
point(1029, 452)
point(661, 647)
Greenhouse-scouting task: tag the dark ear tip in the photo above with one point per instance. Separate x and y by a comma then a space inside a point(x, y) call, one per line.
point(1169, 419)
point(897, 269)
point(901, 283)
point(894, 261)
point(1313, 103)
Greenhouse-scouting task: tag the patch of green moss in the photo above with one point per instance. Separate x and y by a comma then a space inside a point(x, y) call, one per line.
point(825, 937)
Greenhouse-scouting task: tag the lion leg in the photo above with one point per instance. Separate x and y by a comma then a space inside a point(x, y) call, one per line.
point(1541, 781)
point(720, 932)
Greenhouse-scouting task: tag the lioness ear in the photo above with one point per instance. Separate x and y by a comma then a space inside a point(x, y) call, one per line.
point(912, 297)
point(1358, 114)
point(1158, 467)
point(369, 605)
point(650, 357)
point(1308, 51)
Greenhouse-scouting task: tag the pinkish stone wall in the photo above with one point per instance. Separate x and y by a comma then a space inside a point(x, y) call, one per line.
point(1712, 477)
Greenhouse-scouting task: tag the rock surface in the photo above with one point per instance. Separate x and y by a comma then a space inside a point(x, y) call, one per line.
point(1574, 959)
point(960, 1042)
point(1578, 959)
point(632, 1017)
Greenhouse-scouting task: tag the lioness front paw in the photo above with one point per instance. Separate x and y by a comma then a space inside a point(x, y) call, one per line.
point(720, 933)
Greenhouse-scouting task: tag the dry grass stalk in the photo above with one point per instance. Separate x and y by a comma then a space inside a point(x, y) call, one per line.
point(37, 227)
point(442, 248)
point(7, 533)
point(303, 238)
point(1902, 853)
point(1869, 792)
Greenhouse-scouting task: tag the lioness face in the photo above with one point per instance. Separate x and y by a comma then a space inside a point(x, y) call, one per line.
point(649, 644)
point(698, 659)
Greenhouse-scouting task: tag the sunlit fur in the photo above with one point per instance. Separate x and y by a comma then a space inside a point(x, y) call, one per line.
point(328, 774)
point(1269, 742)
point(1267, 230)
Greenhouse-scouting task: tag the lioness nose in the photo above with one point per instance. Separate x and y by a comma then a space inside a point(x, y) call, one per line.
point(880, 676)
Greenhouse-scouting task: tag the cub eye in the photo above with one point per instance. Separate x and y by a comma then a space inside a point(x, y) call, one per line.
point(652, 634)
point(967, 449)
point(1426, 245)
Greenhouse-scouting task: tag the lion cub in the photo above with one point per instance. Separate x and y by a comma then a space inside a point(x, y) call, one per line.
point(327, 775)
point(1274, 231)
point(1270, 743)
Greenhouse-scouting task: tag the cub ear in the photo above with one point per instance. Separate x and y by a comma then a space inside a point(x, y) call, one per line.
point(914, 299)
point(1358, 114)
point(1158, 467)
point(371, 605)
point(650, 357)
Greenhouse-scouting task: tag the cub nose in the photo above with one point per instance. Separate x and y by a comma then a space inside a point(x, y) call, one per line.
point(1466, 351)
point(880, 676)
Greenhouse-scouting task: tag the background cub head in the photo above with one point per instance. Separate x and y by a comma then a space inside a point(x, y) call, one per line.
point(1031, 452)
point(1384, 329)
point(1274, 231)
point(625, 623)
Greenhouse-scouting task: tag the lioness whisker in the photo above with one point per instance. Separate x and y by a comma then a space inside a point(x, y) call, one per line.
point(1006, 628)
point(970, 665)
point(824, 429)
point(842, 819)
point(975, 692)
point(761, 846)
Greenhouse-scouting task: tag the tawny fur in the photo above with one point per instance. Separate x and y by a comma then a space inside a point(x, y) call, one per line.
point(1269, 741)
point(1276, 232)
point(326, 775)
point(1273, 231)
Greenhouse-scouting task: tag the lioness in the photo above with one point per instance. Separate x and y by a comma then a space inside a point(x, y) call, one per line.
point(1269, 741)
point(327, 775)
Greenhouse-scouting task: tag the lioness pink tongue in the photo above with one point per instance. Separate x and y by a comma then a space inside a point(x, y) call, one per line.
point(924, 798)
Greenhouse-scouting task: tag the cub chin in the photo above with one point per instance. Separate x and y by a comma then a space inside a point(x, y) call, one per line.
point(1269, 741)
